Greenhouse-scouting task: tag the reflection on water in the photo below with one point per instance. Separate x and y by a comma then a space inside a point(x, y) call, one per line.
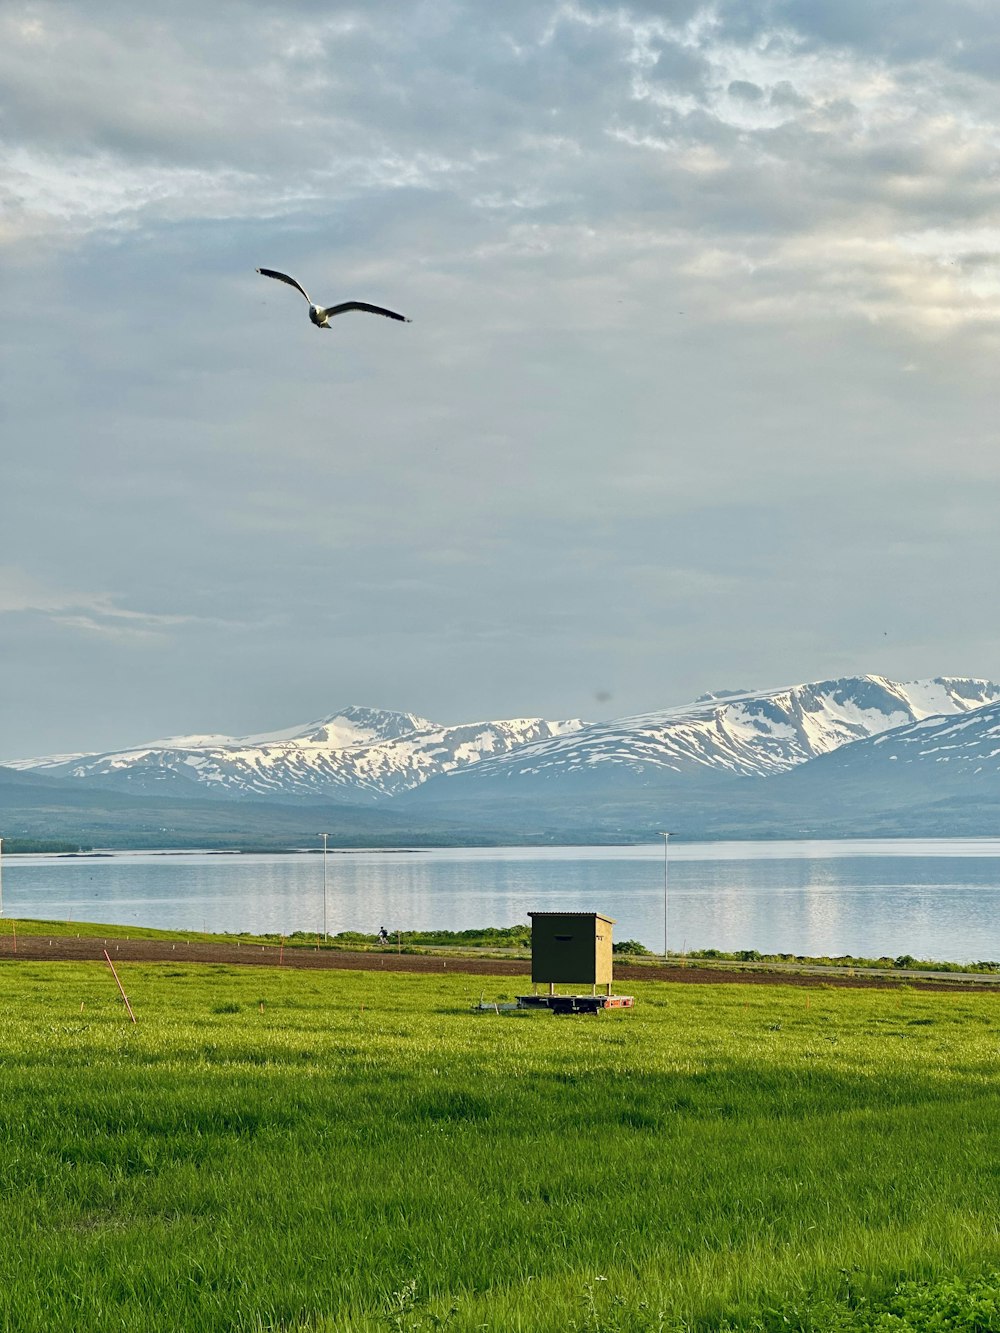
point(934, 898)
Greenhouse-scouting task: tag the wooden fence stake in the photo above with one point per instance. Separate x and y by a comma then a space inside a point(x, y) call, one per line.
point(120, 986)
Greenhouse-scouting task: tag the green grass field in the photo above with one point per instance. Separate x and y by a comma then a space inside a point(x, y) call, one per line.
point(273, 1150)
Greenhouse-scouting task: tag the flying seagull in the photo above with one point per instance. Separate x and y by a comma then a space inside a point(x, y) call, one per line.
point(321, 315)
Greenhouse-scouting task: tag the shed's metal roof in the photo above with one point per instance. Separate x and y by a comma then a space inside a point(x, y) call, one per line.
point(599, 915)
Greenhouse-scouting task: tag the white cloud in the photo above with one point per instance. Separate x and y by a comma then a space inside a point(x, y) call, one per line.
point(92, 613)
point(560, 110)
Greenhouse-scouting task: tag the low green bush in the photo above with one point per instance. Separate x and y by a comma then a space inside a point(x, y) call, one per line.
point(953, 1305)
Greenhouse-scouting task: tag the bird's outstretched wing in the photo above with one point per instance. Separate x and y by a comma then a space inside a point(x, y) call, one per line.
point(344, 306)
point(283, 277)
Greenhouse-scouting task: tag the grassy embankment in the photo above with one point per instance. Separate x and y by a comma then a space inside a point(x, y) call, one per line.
point(278, 1150)
point(506, 939)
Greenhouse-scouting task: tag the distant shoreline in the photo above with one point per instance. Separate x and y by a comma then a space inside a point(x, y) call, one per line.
point(107, 853)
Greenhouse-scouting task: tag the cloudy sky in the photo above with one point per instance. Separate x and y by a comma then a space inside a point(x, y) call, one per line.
point(700, 390)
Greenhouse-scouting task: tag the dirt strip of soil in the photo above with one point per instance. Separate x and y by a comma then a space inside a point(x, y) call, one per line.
point(59, 948)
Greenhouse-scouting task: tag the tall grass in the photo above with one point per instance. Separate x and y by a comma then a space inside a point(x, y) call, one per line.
point(356, 1151)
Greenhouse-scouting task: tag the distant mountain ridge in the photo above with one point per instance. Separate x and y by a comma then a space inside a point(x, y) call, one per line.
point(835, 756)
point(357, 755)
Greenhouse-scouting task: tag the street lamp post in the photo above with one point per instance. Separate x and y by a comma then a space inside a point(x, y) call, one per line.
point(666, 839)
point(324, 836)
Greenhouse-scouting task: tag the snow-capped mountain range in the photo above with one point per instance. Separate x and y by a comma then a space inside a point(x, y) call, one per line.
point(357, 754)
point(752, 734)
point(368, 755)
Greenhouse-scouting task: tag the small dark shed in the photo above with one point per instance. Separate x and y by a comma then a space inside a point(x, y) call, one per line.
point(573, 947)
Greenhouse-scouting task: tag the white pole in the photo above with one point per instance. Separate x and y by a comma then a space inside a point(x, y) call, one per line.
point(666, 839)
point(324, 836)
point(1, 876)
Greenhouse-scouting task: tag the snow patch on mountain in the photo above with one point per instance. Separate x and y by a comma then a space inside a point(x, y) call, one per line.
point(350, 727)
point(47, 761)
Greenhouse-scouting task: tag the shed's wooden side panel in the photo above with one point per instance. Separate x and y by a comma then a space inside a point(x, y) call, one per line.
point(603, 968)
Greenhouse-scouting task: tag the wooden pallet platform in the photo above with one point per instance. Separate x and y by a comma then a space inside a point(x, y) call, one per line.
point(575, 1004)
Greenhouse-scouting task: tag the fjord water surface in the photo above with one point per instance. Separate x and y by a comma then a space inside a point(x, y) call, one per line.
point(934, 898)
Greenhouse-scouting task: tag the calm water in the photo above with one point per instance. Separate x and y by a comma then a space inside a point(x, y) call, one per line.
point(938, 898)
